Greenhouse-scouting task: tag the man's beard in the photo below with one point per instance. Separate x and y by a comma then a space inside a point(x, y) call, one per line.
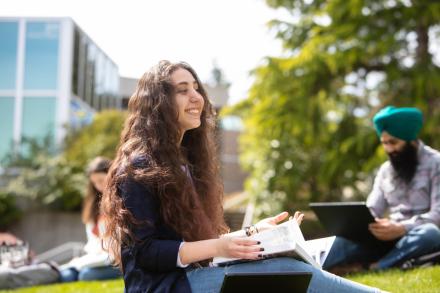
point(405, 162)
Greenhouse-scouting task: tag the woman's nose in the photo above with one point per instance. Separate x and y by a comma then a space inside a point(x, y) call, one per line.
point(196, 96)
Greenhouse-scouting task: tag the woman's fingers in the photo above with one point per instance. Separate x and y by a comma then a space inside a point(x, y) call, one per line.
point(248, 252)
point(250, 255)
point(280, 217)
point(298, 216)
point(246, 248)
point(244, 241)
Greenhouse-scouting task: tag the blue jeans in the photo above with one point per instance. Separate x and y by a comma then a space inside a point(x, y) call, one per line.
point(418, 241)
point(90, 274)
point(210, 279)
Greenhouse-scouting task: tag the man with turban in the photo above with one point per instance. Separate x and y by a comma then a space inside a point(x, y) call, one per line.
point(405, 199)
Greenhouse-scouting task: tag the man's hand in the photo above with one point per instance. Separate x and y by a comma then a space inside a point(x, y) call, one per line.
point(386, 230)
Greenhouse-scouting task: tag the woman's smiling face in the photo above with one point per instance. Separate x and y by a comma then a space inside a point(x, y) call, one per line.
point(188, 99)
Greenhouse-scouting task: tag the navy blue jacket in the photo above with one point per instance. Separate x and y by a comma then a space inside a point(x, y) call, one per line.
point(150, 265)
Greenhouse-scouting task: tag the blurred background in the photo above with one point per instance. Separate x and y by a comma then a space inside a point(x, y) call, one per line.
point(295, 84)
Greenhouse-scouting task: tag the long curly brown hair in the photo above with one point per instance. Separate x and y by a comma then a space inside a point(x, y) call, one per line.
point(193, 209)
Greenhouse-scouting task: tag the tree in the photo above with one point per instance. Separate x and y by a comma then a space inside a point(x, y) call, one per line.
point(9, 212)
point(58, 180)
point(218, 76)
point(308, 132)
point(43, 176)
point(100, 138)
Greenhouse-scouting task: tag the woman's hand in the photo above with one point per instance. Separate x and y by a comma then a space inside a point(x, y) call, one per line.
point(298, 216)
point(238, 247)
point(271, 222)
point(8, 239)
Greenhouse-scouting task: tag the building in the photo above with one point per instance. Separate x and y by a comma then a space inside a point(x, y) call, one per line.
point(51, 75)
point(232, 173)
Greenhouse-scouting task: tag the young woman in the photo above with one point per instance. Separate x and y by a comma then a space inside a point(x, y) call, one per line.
point(95, 263)
point(163, 202)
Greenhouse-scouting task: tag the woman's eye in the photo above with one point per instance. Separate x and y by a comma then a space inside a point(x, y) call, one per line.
point(182, 91)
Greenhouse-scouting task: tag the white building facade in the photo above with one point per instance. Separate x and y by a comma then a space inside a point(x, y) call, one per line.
point(52, 75)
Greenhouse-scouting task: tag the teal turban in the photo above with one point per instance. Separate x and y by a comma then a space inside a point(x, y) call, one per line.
point(403, 123)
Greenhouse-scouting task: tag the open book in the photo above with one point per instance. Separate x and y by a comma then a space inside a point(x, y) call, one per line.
point(287, 239)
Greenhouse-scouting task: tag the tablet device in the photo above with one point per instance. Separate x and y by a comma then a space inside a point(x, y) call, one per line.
point(346, 219)
point(297, 282)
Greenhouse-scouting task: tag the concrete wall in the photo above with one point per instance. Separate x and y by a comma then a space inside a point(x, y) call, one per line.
point(232, 174)
point(47, 229)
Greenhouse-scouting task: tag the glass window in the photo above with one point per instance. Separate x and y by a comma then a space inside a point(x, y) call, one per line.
point(90, 75)
point(107, 76)
point(105, 103)
point(41, 57)
point(6, 125)
point(8, 54)
point(82, 67)
point(39, 117)
point(76, 63)
point(99, 70)
point(114, 80)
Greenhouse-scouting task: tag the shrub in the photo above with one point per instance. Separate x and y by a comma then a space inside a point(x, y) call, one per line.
point(100, 138)
point(9, 212)
point(52, 181)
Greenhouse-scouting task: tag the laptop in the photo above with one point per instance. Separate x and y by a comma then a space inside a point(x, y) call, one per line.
point(292, 282)
point(346, 219)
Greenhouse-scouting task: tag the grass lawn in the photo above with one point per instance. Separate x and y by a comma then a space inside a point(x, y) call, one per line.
point(116, 286)
point(418, 280)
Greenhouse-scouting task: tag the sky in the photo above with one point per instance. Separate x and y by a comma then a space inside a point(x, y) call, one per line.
point(136, 34)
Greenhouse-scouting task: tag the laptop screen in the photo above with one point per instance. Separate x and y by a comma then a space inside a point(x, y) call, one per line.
point(346, 219)
point(297, 282)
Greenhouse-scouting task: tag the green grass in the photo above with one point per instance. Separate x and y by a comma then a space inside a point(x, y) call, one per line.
point(417, 280)
point(115, 286)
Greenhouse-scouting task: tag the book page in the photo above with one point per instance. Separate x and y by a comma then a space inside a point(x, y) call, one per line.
point(297, 234)
point(319, 248)
point(276, 240)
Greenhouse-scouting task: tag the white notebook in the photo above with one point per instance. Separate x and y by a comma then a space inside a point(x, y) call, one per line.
point(287, 239)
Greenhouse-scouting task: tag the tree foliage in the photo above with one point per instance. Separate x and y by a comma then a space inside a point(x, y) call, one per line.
point(9, 212)
point(100, 138)
point(58, 180)
point(44, 177)
point(308, 133)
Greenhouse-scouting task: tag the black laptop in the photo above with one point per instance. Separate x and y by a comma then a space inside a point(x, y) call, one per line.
point(295, 282)
point(347, 219)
